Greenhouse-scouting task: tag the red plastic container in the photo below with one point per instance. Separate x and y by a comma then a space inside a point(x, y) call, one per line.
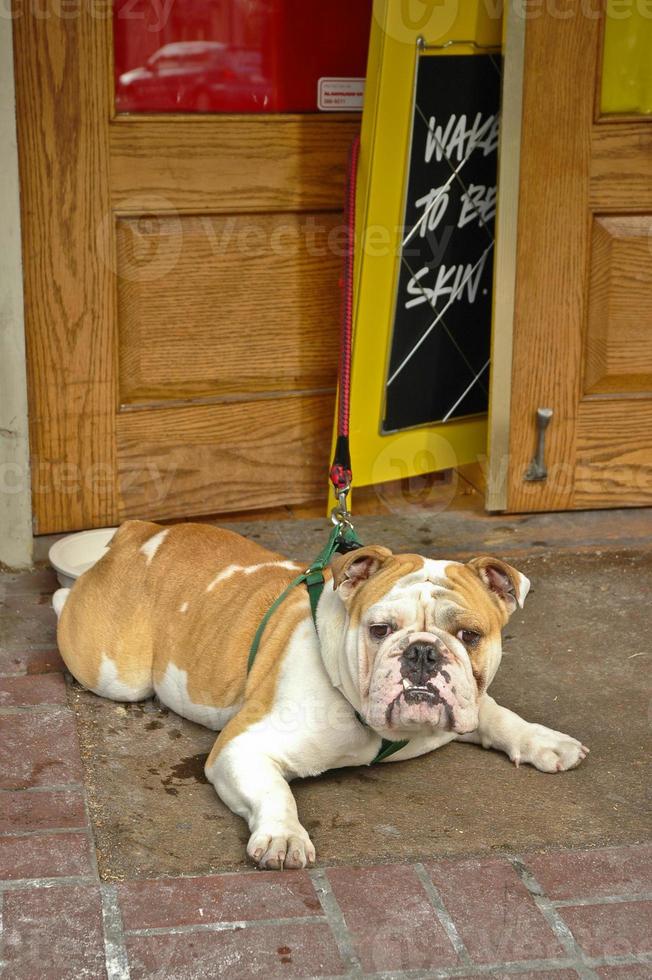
point(235, 55)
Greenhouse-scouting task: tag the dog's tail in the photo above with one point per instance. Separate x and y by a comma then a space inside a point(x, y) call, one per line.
point(59, 600)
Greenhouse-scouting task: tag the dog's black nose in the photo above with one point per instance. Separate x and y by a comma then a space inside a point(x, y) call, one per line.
point(421, 661)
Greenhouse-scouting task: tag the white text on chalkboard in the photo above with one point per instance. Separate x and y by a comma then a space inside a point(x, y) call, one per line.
point(452, 282)
point(478, 201)
point(456, 140)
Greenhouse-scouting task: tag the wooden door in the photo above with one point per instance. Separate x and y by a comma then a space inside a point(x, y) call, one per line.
point(582, 342)
point(181, 291)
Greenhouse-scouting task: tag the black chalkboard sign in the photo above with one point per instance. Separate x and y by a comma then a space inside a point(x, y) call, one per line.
point(439, 353)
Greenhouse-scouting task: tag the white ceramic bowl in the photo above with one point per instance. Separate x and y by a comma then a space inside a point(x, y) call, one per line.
point(72, 555)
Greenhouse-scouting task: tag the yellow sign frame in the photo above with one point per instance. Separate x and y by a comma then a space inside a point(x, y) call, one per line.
point(382, 176)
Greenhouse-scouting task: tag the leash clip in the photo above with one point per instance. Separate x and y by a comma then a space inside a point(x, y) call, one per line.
point(341, 515)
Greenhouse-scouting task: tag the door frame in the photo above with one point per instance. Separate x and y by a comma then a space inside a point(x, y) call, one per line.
point(15, 488)
point(502, 331)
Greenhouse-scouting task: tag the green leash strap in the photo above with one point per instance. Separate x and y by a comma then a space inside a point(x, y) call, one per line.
point(258, 635)
point(344, 538)
point(388, 748)
point(341, 536)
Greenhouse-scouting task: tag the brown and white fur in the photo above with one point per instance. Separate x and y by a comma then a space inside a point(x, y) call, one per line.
point(408, 644)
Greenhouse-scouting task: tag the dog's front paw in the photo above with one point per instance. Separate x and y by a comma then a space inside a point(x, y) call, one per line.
point(548, 750)
point(279, 846)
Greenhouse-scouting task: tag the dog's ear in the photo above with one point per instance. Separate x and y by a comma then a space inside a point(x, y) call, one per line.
point(503, 581)
point(355, 567)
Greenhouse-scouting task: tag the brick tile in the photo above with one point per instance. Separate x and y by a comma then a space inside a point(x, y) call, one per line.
point(391, 919)
point(40, 581)
point(27, 621)
point(45, 856)
point(632, 971)
point(618, 929)
point(264, 951)
point(593, 873)
point(19, 692)
point(53, 934)
point(40, 810)
point(26, 661)
point(39, 749)
point(493, 911)
point(216, 898)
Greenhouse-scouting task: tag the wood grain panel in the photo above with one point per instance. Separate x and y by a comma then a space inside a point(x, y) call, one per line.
point(621, 167)
point(230, 164)
point(552, 253)
point(619, 331)
point(61, 92)
point(614, 454)
point(227, 305)
point(175, 462)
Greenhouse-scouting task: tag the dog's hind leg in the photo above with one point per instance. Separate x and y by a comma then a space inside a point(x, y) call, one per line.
point(59, 600)
point(113, 662)
point(123, 681)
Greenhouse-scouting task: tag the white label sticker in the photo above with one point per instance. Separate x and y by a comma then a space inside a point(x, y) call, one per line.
point(340, 94)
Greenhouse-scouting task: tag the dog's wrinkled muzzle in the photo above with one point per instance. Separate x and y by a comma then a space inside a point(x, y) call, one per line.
point(425, 685)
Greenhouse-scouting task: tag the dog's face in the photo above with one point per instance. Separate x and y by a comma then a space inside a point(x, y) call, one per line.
point(424, 636)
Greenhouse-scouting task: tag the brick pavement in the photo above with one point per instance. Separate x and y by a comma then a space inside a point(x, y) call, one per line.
point(559, 914)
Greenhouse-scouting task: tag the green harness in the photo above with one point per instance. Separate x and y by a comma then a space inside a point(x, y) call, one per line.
point(341, 538)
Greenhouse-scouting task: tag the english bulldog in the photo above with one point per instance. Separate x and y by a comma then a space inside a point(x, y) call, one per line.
point(403, 648)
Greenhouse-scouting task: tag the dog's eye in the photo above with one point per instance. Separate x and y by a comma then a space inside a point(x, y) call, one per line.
point(469, 637)
point(380, 630)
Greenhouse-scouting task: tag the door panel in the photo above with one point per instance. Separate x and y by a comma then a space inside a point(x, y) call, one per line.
point(583, 321)
point(162, 344)
point(173, 461)
point(192, 290)
point(268, 163)
point(614, 449)
point(621, 166)
point(618, 348)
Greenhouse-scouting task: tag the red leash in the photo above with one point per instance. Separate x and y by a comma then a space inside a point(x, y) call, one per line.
point(340, 473)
